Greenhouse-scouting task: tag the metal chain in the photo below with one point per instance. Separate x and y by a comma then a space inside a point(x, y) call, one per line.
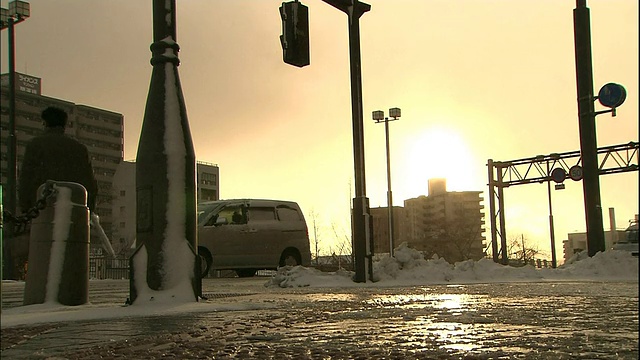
point(20, 222)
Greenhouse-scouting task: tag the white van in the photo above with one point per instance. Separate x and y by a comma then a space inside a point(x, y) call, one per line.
point(247, 235)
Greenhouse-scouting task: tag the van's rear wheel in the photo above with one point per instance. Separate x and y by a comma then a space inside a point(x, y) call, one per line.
point(246, 272)
point(205, 261)
point(290, 258)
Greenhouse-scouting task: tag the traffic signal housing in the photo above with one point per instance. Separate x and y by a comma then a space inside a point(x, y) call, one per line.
point(295, 33)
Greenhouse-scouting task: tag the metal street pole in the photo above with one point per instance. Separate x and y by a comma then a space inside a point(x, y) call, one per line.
point(17, 12)
point(587, 125)
point(378, 116)
point(11, 153)
point(361, 217)
point(389, 193)
point(492, 209)
point(551, 229)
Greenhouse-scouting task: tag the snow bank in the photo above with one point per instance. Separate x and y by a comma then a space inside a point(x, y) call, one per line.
point(409, 267)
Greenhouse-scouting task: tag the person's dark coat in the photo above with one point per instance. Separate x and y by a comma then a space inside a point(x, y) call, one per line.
point(55, 156)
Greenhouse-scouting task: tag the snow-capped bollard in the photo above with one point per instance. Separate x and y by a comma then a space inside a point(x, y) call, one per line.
point(166, 261)
point(59, 249)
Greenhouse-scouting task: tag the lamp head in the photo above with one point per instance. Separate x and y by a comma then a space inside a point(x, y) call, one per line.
point(378, 115)
point(19, 9)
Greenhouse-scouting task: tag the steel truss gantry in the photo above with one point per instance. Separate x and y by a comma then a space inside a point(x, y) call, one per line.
point(503, 174)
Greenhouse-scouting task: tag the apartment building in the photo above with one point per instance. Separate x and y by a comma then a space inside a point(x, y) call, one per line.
point(99, 129)
point(449, 224)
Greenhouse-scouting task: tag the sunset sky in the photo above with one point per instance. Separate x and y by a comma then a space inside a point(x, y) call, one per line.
point(475, 79)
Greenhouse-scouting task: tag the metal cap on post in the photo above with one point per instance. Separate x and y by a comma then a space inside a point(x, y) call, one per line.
point(59, 249)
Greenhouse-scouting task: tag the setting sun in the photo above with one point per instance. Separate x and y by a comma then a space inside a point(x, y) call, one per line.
point(436, 152)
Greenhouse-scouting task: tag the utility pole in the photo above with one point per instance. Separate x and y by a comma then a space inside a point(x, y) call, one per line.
point(587, 124)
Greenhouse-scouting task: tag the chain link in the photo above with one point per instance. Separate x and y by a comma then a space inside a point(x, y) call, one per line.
point(21, 221)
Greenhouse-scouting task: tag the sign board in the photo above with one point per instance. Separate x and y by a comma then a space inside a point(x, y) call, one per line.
point(612, 95)
point(24, 83)
point(575, 173)
point(558, 175)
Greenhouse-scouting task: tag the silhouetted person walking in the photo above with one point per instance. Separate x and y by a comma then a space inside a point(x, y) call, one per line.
point(55, 156)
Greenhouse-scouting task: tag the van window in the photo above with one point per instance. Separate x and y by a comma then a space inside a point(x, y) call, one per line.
point(233, 214)
point(286, 213)
point(261, 214)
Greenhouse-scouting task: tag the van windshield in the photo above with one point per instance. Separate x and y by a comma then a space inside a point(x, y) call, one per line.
point(204, 209)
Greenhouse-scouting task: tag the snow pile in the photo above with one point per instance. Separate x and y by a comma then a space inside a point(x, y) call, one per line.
point(298, 276)
point(608, 265)
point(408, 267)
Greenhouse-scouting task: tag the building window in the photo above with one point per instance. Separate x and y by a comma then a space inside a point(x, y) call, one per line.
point(208, 179)
point(123, 192)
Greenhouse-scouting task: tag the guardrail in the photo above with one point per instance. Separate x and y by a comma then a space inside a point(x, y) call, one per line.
point(101, 267)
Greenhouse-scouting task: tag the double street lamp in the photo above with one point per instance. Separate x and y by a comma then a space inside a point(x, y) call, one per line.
point(378, 116)
point(17, 12)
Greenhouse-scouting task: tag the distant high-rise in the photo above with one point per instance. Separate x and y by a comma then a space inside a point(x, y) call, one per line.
point(437, 186)
point(449, 224)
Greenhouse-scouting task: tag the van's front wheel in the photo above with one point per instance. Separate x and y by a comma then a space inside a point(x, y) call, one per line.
point(206, 261)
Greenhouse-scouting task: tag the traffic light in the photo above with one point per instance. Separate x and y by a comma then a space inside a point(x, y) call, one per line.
point(295, 33)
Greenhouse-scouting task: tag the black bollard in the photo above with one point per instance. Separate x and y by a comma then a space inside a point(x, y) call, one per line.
point(166, 257)
point(59, 249)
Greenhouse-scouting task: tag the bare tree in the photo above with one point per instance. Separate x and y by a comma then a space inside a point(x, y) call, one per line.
point(343, 255)
point(522, 251)
point(316, 231)
point(456, 238)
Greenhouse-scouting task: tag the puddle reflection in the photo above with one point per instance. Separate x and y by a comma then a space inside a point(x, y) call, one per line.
point(453, 302)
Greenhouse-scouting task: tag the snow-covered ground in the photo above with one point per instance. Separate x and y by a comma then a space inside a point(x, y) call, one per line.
point(407, 268)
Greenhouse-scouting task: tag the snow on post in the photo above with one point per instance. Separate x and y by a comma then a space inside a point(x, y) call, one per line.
point(165, 264)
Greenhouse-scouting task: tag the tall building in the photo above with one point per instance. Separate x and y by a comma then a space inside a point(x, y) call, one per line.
point(124, 201)
point(207, 175)
point(100, 130)
point(450, 224)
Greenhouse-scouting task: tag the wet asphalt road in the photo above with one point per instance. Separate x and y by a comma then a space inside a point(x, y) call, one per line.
point(582, 320)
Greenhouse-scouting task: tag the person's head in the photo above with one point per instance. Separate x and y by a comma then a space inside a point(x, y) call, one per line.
point(54, 116)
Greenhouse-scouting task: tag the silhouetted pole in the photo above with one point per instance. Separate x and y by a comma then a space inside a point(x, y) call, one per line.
point(389, 193)
point(378, 116)
point(165, 174)
point(587, 124)
point(17, 12)
point(492, 209)
point(12, 162)
point(361, 216)
point(552, 232)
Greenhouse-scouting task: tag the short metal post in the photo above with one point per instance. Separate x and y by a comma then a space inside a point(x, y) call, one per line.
point(59, 249)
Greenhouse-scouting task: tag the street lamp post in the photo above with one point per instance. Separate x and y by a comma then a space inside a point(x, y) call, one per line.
point(378, 116)
point(18, 11)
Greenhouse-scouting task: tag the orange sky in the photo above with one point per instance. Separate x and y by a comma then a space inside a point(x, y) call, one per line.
point(474, 79)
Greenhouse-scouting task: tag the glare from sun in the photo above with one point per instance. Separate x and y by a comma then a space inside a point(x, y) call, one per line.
point(436, 152)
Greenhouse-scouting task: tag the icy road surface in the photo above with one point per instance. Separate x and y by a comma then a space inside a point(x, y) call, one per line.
point(563, 320)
